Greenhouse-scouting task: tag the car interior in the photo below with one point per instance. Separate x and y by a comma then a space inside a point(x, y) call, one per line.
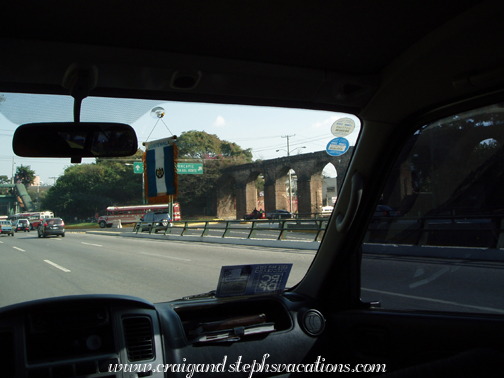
point(418, 292)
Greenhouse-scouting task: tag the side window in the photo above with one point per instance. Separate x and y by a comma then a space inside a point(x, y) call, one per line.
point(148, 217)
point(436, 239)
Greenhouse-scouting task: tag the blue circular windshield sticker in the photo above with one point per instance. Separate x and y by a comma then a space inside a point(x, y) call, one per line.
point(337, 146)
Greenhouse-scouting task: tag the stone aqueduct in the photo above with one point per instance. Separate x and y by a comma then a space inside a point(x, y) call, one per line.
point(237, 195)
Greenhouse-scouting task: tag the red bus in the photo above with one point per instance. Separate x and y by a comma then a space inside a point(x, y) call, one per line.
point(34, 217)
point(133, 214)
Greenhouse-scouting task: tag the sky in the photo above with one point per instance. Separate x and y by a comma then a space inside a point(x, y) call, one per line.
point(263, 129)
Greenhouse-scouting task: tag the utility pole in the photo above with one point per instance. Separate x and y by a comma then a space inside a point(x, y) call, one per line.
point(13, 165)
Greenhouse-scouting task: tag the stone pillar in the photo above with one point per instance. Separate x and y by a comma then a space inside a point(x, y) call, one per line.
point(309, 195)
point(225, 202)
point(275, 196)
point(246, 199)
point(269, 197)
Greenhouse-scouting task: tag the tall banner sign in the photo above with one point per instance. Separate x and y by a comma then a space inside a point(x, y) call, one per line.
point(160, 170)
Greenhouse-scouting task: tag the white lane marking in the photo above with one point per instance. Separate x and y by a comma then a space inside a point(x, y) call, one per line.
point(429, 279)
point(168, 257)
point(436, 301)
point(57, 266)
point(95, 245)
point(19, 249)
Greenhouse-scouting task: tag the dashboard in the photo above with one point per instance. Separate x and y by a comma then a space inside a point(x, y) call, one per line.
point(121, 336)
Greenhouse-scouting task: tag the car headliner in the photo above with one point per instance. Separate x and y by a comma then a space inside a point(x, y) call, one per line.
point(355, 56)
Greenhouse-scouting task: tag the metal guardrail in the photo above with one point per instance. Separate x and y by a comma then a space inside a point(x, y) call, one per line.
point(302, 216)
point(456, 231)
point(284, 227)
point(139, 225)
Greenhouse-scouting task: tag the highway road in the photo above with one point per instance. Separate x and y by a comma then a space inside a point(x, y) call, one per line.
point(433, 284)
point(163, 270)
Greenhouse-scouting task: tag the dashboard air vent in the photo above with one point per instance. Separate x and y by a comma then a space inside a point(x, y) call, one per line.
point(313, 322)
point(139, 338)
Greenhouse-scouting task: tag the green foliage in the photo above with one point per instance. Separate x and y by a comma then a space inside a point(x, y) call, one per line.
point(196, 191)
point(259, 184)
point(4, 180)
point(87, 189)
point(201, 145)
point(25, 175)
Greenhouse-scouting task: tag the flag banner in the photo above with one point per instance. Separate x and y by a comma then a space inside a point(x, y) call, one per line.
point(160, 170)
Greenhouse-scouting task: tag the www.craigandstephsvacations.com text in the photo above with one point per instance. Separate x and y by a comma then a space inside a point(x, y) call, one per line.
point(318, 366)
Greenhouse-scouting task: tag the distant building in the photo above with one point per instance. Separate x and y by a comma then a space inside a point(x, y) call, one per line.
point(329, 190)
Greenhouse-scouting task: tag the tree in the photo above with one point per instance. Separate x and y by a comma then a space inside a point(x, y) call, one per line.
point(24, 175)
point(201, 145)
point(87, 189)
point(195, 191)
point(4, 180)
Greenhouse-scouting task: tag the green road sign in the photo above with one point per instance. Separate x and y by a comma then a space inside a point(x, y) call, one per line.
point(189, 169)
point(138, 167)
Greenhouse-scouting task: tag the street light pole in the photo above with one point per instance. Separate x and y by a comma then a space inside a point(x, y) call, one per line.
point(143, 190)
point(290, 174)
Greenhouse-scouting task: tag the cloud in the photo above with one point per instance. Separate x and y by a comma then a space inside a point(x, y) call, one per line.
point(326, 123)
point(219, 122)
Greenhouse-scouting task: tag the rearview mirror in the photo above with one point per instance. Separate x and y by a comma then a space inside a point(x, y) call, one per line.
point(74, 140)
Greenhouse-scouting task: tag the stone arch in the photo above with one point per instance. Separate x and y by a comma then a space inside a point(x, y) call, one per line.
point(308, 168)
point(329, 185)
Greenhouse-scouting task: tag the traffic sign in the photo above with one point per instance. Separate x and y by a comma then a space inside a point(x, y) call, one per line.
point(337, 146)
point(182, 168)
point(189, 168)
point(138, 167)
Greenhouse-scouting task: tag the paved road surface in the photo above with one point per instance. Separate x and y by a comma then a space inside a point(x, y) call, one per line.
point(163, 270)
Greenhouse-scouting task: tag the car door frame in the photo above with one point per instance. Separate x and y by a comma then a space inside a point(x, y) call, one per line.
point(361, 328)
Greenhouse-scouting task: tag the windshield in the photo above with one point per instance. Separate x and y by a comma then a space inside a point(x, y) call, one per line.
point(254, 185)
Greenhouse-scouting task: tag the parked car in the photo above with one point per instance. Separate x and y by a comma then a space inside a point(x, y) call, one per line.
point(51, 226)
point(22, 225)
point(255, 214)
point(155, 221)
point(386, 211)
point(327, 211)
point(6, 227)
point(278, 214)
